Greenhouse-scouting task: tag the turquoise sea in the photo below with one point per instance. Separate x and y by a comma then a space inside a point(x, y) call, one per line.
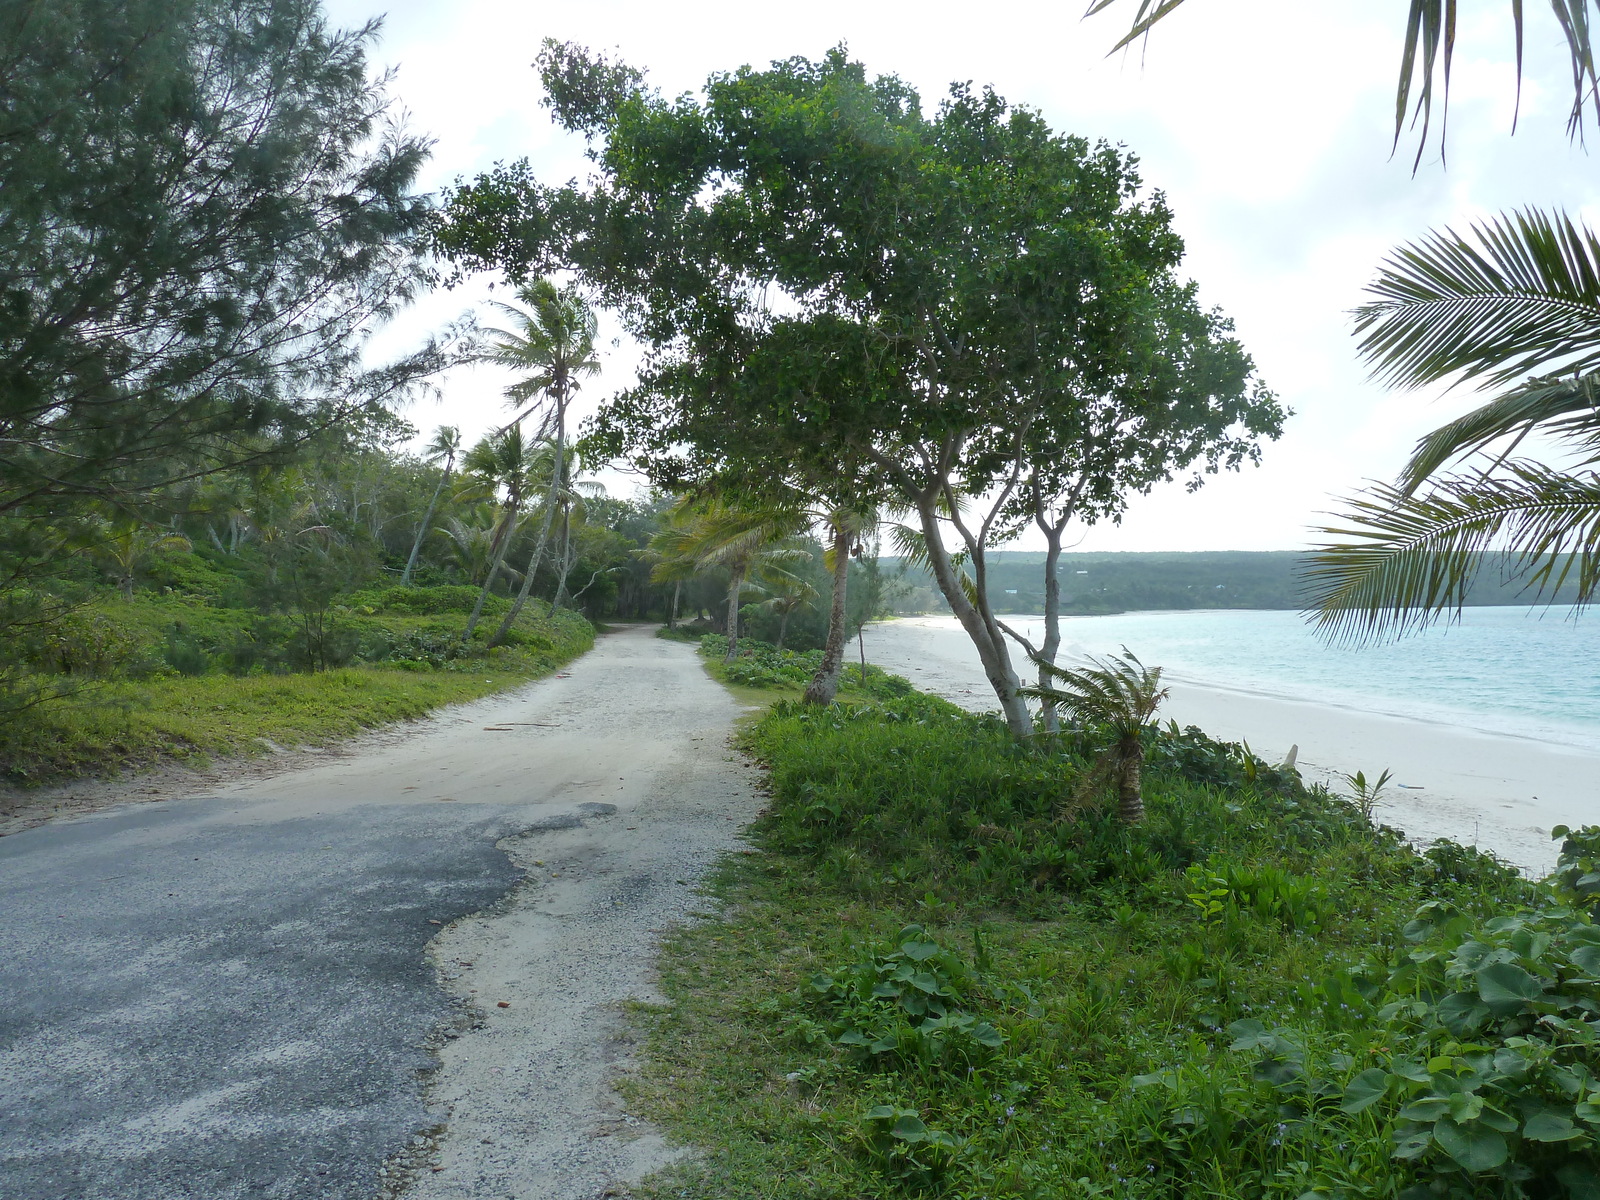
point(1530, 672)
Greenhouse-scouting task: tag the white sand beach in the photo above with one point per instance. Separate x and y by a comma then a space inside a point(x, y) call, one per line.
point(1498, 792)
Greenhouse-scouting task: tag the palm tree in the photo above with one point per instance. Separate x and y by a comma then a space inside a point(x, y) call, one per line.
point(715, 534)
point(1119, 695)
point(446, 444)
point(671, 553)
point(500, 465)
point(846, 526)
point(553, 342)
point(128, 547)
point(787, 594)
point(470, 546)
point(1516, 299)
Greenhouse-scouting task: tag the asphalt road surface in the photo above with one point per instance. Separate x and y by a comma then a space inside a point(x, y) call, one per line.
point(243, 995)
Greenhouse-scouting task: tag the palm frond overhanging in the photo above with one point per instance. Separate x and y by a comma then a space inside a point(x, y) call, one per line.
point(1521, 295)
point(1429, 53)
point(1544, 522)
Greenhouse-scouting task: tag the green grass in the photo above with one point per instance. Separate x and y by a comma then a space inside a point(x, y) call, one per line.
point(1175, 1011)
point(119, 724)
point(762, 675)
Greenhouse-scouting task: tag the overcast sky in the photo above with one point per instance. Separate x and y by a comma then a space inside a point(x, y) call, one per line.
point(1267, 123)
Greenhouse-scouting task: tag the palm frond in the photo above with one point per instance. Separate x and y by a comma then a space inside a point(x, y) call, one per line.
point(1150, 11)
point(1428, 54)
point(1519, 295)
point(1566, 408)
point(1408, 560)
point(1118, 691)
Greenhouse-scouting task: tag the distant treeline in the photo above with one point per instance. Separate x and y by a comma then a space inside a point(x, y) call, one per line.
point(1131, 582)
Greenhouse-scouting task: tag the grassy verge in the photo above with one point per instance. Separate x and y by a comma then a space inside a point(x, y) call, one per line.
point(120, 724)
point(763, 675)
point(940, 974)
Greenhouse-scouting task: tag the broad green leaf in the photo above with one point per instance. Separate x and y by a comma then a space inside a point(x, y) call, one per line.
point(1474, 1148)
point(1429, 1108)
point(1587, 959)
point(1549, 1126)
point(880, 1112)
point(1506, 987)
point(1410, 1069)
point(986, 1034)
point(909, 1129)
point(1365, 1090)
point(919, 951)
point(1462, 1013)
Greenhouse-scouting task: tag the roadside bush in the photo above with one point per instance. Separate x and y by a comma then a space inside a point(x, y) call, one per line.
point(915, 795)
point(761, 665)
point(1227, 1001)
point(429, 601)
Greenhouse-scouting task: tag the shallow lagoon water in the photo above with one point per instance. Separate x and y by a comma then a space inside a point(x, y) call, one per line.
point(1526, 672)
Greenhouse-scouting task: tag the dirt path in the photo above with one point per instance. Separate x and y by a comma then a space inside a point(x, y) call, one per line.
point(283, 953)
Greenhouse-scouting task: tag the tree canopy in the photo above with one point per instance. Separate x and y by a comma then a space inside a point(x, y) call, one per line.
point(207, 209)
point(846, 294)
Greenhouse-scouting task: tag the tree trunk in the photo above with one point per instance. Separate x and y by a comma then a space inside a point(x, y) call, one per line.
point(672, 619)
point(735, 586)
point(566, 557)
point(978, 621)
point(494, 569)
point(1130, 795)
point(422, 530)
point(783, 626)
point(1052, 623)
point(544, 533)
point(824, 685)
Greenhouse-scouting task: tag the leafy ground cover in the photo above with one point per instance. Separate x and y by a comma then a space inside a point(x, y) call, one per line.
point(177, 678)
point(943, 971)
point(769, 673)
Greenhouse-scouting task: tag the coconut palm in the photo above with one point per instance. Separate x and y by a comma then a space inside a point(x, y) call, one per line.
point(553, 344)
point(740, 541)
point(443, 448)
point(500, 465)
point(1518, 298)
point(470, 545)
point(1118, 695)
point(786, 594)
point(127, 548)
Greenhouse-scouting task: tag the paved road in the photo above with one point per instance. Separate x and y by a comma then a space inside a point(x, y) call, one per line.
point(232, 996)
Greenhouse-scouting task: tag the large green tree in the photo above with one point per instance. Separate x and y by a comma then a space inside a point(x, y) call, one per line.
point(206, 211)
point(836, 283)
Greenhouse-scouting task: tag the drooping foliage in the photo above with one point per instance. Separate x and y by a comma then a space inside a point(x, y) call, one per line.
point(1515, 301)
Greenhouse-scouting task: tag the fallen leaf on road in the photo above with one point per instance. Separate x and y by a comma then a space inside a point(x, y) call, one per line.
point(433, 922)
point(502, 1004)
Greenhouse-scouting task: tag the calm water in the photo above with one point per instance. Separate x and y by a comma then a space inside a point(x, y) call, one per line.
point(1525, 671)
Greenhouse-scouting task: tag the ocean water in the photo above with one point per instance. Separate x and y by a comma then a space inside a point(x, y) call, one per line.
point(1527, 672)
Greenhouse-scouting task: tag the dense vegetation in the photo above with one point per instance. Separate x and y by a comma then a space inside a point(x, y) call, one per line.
point(1134, 581)
point(948, 972)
